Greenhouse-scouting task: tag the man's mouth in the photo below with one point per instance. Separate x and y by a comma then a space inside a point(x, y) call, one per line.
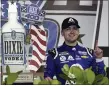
point(71, 35)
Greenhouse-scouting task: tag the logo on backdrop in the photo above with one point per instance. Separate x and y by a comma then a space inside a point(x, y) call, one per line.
point(32, 14)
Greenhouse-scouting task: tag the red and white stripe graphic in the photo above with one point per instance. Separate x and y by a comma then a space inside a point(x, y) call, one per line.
point(38, 37)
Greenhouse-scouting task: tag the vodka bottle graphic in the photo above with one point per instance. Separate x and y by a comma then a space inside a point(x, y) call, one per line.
point(13, 33)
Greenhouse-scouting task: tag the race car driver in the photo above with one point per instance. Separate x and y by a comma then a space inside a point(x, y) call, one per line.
point(72, 53)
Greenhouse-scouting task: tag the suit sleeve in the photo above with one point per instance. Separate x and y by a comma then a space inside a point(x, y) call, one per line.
point(49, 70)
point(98, 65)
point(101, 66)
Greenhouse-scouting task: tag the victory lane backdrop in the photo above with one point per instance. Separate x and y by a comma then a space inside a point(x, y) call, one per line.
point(55, 13)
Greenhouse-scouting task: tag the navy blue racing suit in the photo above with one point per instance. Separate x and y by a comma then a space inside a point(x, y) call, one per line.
point(65, 54)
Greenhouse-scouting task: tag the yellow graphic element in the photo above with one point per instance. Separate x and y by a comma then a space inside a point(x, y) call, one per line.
point(84, 56)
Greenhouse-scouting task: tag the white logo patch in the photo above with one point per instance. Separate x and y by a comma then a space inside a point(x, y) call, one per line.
point(71, 20)
point(74, 49)
point(62, 58)
point(70, 57)
point(78, 57)
point(82, 52)
point(63, 53)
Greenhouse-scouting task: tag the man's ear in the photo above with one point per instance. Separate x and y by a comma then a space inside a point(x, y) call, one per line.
point(62, 33)
point(79, 31)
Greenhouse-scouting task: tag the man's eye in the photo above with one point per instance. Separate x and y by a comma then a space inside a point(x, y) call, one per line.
point(68, 28)
point(74, 28)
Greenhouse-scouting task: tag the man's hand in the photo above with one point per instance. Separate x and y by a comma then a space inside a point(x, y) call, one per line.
point(97, 51)
point(48, 79)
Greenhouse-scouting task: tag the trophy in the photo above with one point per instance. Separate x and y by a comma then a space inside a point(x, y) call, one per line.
point(28, 45)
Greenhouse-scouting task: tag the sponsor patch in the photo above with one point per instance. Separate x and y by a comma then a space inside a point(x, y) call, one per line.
point(74, 49)
point(63, 53)
point(64, 62)
point(62, 58)
point(84, 56)
point(82, 52)
point(70, 58)
point(78, 58)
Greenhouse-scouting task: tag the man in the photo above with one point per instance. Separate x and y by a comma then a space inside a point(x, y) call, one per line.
point(72, 53)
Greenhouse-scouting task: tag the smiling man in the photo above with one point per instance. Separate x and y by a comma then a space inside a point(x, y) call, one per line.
point(72, 53)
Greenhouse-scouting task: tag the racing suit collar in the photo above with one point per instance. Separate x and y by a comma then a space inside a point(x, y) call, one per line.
point(70, 47)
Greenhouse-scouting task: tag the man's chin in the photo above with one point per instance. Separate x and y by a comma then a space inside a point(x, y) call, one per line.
point(72, 41)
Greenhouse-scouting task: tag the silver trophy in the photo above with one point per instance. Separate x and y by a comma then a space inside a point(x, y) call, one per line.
point(27, 45)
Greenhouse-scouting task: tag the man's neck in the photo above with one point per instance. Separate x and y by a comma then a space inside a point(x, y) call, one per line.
point(71, 44)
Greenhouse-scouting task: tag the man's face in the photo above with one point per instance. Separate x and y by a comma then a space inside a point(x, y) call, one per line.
point(70, 34)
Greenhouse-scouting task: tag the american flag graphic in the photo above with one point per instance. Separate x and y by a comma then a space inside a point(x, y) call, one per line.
point(38, 37)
